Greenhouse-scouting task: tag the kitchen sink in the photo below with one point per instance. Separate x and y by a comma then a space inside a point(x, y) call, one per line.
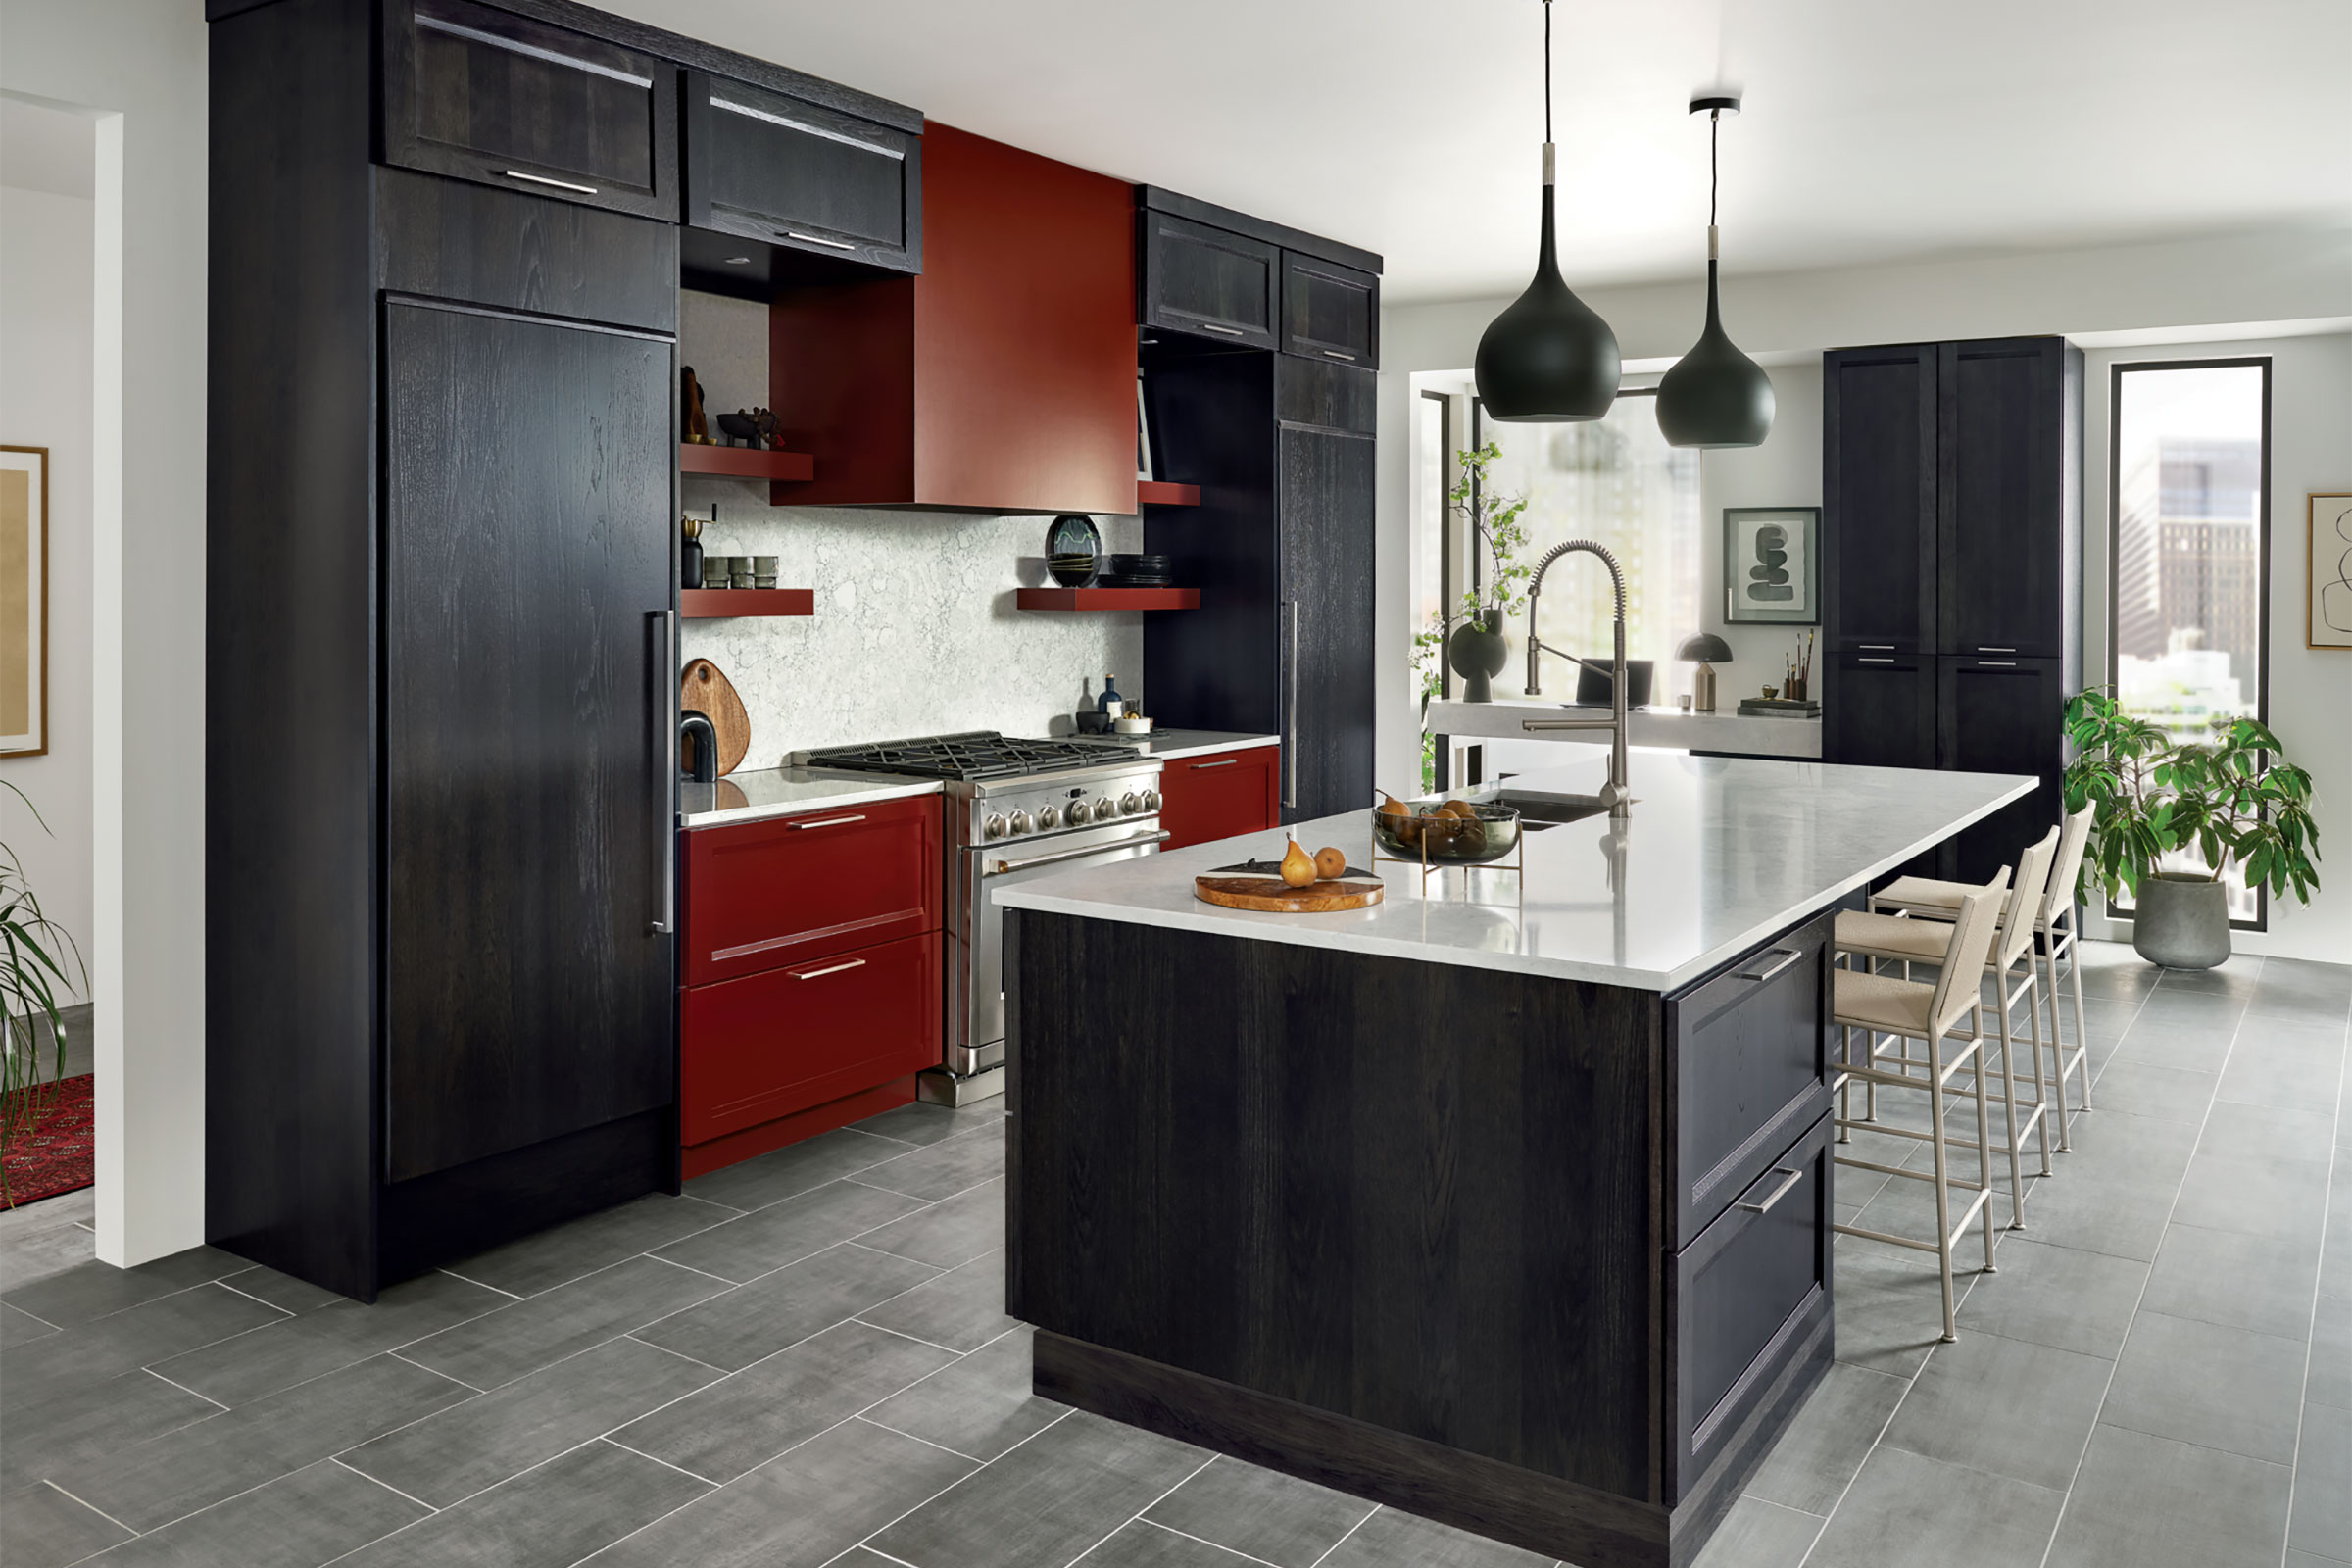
point(1550, 811)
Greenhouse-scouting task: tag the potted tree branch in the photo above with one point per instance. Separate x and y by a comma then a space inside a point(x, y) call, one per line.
point(2232, 799)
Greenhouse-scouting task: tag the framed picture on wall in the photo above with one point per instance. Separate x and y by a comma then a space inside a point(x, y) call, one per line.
point(24, 600)
point(1772, 565)
point(2327, 573)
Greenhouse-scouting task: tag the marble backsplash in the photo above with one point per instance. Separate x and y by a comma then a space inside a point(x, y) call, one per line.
point(915, 633)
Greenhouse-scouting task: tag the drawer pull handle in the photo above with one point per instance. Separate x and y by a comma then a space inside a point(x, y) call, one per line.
point(1996, 663)
point(813, 974)
point(1337, 355)
point(1876, 648)
point(1981, 649)
point(1787, 957)
point(1874, 661)
point(1211, 326)
point(1228, 761)
point(818, 239)
point(826, 821)
point(1778, 1193)
point(559, 185)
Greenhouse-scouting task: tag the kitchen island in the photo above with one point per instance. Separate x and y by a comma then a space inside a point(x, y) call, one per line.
point(1504, 1201)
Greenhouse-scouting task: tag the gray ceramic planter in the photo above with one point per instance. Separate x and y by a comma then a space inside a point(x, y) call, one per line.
point(2181, 922)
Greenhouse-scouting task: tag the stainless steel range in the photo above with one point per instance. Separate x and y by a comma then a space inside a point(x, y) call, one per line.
point(1017, 810)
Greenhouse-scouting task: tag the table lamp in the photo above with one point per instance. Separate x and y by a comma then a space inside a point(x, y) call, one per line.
point(1708, 650)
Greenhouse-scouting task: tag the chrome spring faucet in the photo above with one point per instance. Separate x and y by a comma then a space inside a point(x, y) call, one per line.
point(1619, 800)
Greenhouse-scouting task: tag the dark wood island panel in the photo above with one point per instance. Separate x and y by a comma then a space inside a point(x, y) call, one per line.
point(1417, 1229)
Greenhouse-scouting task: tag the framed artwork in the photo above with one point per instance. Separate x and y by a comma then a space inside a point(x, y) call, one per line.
point(2327, 573)
point(1772, 565)
point(24, 600)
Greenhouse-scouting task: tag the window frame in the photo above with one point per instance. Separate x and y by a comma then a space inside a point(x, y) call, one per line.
point(2262, 552)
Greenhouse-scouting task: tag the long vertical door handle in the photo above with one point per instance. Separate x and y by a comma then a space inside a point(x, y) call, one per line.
point(663, 627)
point(1290, 713)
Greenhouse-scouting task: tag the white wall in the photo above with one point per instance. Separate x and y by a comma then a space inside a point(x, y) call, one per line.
point(2268, 286)
point(45, 350)
point(140, 65)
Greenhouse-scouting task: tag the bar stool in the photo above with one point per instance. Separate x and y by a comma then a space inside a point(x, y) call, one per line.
point(1912, 939)
point(1881, 1004)
point(2060, 939)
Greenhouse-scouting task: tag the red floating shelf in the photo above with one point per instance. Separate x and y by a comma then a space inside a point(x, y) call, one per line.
point(744, 463)
point(1160, 493)
point(1109, 598)
point(718, 603)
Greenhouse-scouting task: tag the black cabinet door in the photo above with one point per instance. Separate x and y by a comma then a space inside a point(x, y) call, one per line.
point(775, 168)
point(1209, 283)
point(490, 96)
point(2002, 715)
point(526, 694)
point(1330, 312)
point(1324, 495)
point(2001, 496)
point(1878, 484)
point(1879, 711)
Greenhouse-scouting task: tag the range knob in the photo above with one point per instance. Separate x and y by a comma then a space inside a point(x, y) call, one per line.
point(1019, 823)
point(1150, 799)
point(1130, 804)
point(1081, 814)
point(994, 828)
point(1047, 818)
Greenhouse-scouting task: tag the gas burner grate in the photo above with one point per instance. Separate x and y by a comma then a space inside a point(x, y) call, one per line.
point(979, 753)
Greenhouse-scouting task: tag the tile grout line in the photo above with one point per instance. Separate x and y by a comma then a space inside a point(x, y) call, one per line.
point(1342, 1540)
point(894, 1333)
point(666, 1351)
point(663, 1463)
point(184, 1388)
point(1203, 1540)
point(973, 1460)
point(339, 1461)
point(866, 1540)
point(1144, 1509)
point(2311, 1328)
point(93, 1508)
point(508, 1295)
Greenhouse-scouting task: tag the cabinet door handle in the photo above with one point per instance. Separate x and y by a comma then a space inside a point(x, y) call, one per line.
point(824, 821)
point(1226, 761)
point(1996, 663)
point(1787, 957)
point(1874, 661)
point(662, 703)
point(816, 974)
point(1337, 355)
point(1876, 648)
point(542, 179)
point(1290, 713)
point(818, 239)
point(1983, 650)
point(1229, 331)
point(1778, 1193)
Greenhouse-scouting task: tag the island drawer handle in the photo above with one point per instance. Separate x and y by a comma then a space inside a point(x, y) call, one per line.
point(814, 974)
point(1787, 957)
point(827, 822)
point(1996, 663)
point(1227, 761)
point(1981, 649)
point(1778, 1193)
point(1876, 648)
point(1874, 661)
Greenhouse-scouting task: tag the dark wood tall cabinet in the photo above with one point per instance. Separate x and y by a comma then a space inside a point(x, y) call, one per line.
point(1952, 519)
point(440, 679)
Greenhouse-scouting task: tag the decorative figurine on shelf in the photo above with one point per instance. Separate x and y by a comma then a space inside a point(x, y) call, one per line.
point(695, 430)
point(739, 429)
point(690, 554)
point(770, 429)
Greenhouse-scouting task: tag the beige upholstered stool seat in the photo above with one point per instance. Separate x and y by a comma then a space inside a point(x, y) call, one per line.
point(1925, 893)
point(1882, 1001)
point(1893, 936)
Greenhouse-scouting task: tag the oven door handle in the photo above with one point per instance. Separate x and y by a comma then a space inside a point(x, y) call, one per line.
point(1004, 867)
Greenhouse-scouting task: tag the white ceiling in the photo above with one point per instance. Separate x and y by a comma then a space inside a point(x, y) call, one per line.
point(1875, 129)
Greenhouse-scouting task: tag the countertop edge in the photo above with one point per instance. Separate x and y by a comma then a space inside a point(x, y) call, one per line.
point(880, 790)
point(1207, 748)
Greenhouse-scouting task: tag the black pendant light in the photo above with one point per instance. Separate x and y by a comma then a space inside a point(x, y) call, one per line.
point(1549, 357)
point(1715, 396)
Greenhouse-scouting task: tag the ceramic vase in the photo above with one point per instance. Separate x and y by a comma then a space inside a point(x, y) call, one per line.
point(1478, 652)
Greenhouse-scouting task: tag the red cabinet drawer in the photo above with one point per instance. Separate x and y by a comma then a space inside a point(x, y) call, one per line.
point(1215, 797)
point(796, 888)
point(768, 1045)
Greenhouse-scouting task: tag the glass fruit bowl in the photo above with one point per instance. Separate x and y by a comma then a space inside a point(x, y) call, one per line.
point(1446, 838)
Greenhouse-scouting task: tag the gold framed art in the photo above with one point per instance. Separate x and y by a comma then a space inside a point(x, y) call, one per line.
point(24, 600)
point(2328, 571)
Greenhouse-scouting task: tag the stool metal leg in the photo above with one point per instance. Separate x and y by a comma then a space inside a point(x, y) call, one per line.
point(1943, 1200)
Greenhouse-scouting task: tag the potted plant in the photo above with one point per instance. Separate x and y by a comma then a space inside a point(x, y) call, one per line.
point(2230, 799)
point(1468, 636)
point(33, 953)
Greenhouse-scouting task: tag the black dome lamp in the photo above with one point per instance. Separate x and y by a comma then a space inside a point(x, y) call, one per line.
point(1549, 357)
point(1715, 396)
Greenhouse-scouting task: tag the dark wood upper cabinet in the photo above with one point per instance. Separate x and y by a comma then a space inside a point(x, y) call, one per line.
point(2011, 536)
point(770, 167)
point(513, 101)
point(1877, 480)
point(1210, 282)
point(1330, 312)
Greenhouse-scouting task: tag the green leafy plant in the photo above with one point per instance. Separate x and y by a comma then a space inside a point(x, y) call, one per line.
point(2230, 799)
point(1495, 532)
point(38, 962)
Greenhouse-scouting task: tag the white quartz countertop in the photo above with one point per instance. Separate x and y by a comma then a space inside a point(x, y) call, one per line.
point(1719, 854)
point(1175, 743)
point(1727, 731)
point(788, 791)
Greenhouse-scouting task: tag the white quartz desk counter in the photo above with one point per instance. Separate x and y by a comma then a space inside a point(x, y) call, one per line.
point(1170, 743)
point(1506, 718)
point(788, 791)
point(1719, 854)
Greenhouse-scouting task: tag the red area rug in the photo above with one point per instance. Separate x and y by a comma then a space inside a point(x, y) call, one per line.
point(58, 1153)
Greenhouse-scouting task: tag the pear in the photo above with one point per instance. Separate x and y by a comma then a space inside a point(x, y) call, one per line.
point(1330, 862)
point(1297, 866)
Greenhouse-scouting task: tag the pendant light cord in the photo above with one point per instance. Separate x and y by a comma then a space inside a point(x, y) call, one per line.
point(1714, 169)
point(1547, 69)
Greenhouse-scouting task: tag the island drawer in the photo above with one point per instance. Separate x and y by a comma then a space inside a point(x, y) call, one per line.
point(1749, 1065)
point(1752, 1292)
point(790, 888)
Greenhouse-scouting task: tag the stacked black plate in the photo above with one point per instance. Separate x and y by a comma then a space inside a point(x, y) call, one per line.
point(1135, 571)
point(1072, 571)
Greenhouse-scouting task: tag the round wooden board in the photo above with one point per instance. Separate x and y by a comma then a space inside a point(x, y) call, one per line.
point(703, 689)
point(1273, 896)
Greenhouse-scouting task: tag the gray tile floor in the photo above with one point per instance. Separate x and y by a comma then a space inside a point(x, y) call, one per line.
point(805, 1360)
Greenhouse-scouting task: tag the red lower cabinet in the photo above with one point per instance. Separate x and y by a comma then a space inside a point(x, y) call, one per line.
point(1215, 797)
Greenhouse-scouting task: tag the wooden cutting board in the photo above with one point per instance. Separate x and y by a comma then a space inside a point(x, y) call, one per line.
point(707, 691)
point(1249, 886)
